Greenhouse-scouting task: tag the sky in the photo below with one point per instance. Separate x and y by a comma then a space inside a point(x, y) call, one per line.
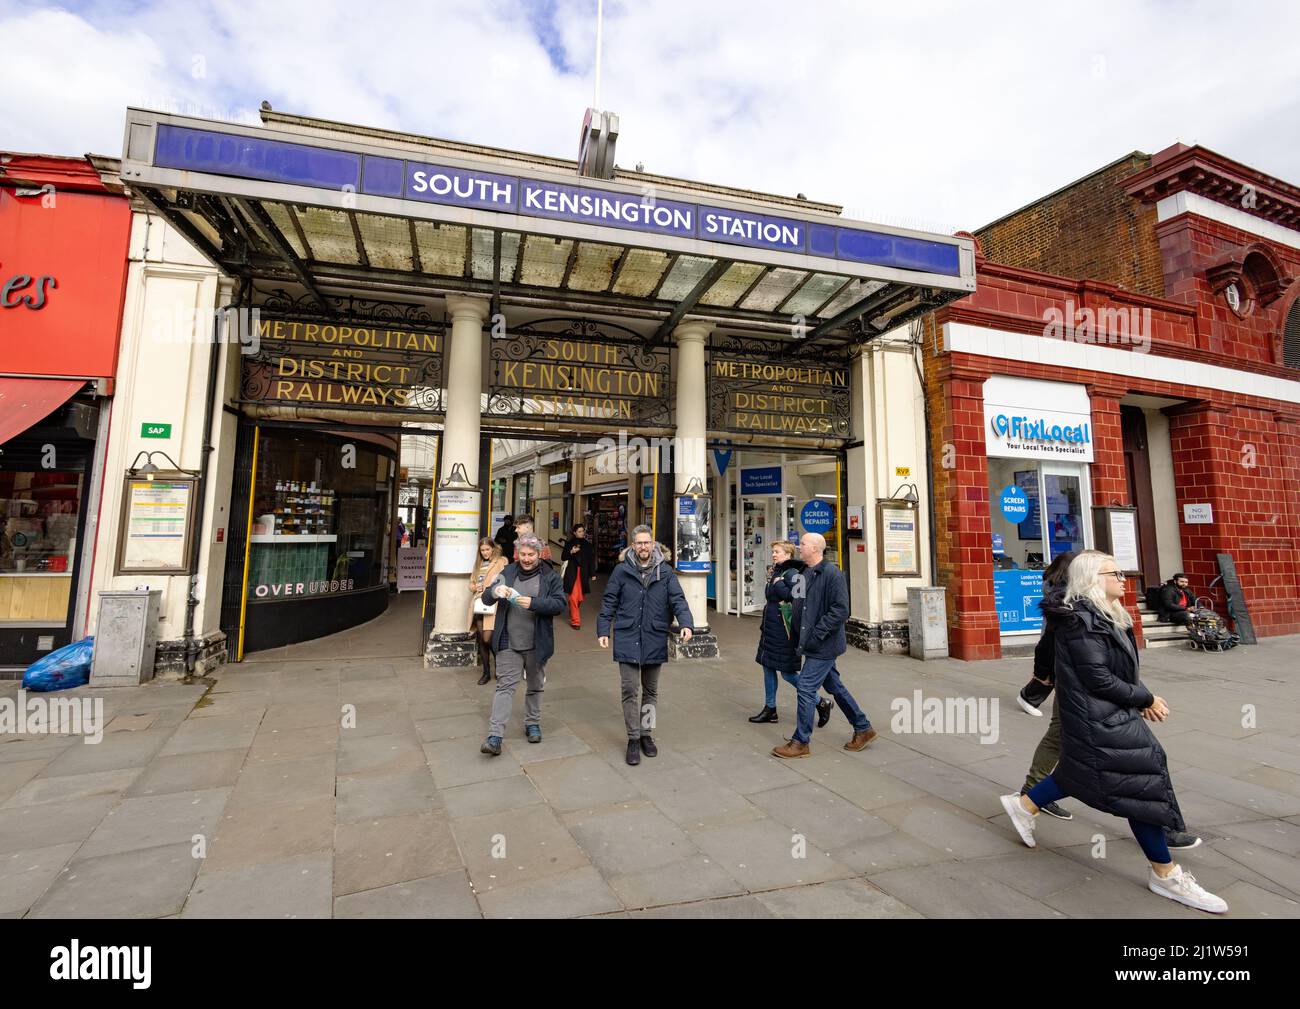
point(927, 114)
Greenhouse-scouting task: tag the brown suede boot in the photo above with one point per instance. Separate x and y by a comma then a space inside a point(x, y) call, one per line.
point(860, 739)
point(794, 748)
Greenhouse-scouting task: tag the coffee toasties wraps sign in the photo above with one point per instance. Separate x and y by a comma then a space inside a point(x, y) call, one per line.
point(344, 366)
point(750, 395)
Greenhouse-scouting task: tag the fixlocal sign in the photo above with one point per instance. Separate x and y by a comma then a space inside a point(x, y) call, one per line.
point(1037, 434)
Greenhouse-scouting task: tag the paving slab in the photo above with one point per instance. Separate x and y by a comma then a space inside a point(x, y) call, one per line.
point(394, 849)
point(271, 782)
point(51, 823)
point(265, 833)
point(25, 875)
point(376, 795)
point(289, 888)
point(628, 838)
point(493, 796)
point(190, 772)
point(142, 883)
point(70, 787)
point(581, 782)
point(560, 895)
point(958, 890)
point(448, 895)
point(151, 821)
point(764, 854)
point(321, 741)
point(843, 898)
point(515, 846)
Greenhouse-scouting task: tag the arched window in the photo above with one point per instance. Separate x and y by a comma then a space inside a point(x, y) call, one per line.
point(1291, 337)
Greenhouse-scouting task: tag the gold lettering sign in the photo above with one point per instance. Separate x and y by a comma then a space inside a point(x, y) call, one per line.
point(540, 374)
point(336, 364)
point(774, 397)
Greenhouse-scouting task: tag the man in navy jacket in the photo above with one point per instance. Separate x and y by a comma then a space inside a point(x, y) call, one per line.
point(821, 641)
point(641, 598)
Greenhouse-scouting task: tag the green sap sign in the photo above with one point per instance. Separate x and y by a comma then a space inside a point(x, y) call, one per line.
point(155, 430)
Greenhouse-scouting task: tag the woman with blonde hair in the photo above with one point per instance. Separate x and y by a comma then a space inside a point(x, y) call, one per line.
point(489, 563)
point(1110, 759)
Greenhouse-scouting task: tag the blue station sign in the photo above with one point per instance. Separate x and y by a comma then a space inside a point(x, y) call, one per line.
point(240, 155)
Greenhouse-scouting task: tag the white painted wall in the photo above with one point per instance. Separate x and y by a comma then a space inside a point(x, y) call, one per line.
point(889, 417)
point(162, 372)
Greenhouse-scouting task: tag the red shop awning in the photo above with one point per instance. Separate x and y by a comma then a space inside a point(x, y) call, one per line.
point(25, 402)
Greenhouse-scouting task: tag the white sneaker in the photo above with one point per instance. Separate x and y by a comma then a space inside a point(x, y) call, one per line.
point(1182, 887)
point(1029, 708)
point(1023, 822)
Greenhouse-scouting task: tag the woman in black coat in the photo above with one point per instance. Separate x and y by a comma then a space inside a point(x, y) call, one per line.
point(779, 631)
point(580, 555)
point(1110, 758)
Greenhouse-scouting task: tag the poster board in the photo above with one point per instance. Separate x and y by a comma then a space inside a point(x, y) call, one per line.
point(898, 538)
point(692, 533)
point(156, 526)
point(410, 569)
point(455, 530)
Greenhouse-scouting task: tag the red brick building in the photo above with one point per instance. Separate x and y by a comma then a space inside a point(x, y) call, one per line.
point(1143, 396)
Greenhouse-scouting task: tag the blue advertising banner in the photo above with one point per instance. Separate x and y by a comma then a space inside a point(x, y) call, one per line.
point(817, 517)
point(1015, 596)
point(1015, 504)
point(256, 157)
point(760, 480)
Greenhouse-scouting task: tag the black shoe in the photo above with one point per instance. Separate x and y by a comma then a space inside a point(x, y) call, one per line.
point(823, 712)
point(487, 676)
point(648, 747)
point(634, 752)
point(766, 715)
point(1181, 840)
point(1057, 810)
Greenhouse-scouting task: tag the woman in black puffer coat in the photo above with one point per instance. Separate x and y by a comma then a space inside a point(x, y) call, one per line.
point(1110, 758)
point(780, 630)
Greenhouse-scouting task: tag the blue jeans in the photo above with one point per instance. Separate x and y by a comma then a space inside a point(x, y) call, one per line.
point(1150, 837)
point(769, 684)
point(822, 673)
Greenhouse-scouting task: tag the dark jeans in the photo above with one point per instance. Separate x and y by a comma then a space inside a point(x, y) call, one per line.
point(1150, 836)
point(822, 673)
point(1181, 618)
point(769, 684)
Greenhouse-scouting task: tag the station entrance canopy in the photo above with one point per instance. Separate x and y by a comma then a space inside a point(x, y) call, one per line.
point(344, 215)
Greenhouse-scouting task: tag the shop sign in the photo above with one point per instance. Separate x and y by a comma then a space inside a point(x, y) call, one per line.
point(341, 366)
point(573, 374)
point(749, 395)
point(1016, 594)
point(25, 291)
point(1037, 434)
point(148, 430)
point(1015, 504)
point(283, 590)
point(760, 480)
point(817, 517)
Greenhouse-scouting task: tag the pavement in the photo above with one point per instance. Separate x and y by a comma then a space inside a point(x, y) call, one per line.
point(341, 778)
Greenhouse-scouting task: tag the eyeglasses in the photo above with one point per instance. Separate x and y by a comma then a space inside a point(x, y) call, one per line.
point(1118, 574)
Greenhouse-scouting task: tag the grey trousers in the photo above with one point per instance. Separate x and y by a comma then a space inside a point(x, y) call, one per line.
point(513, 666)
point(1049, 748)
point(639, 713)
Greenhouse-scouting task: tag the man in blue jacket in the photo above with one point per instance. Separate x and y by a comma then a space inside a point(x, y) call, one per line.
point(641, 598)
point(528, 594)
point(821, 641)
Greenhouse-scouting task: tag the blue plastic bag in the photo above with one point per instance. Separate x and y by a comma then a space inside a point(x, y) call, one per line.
point(63, 668)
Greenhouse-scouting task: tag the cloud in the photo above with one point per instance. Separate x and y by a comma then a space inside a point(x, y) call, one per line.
point(937, 114)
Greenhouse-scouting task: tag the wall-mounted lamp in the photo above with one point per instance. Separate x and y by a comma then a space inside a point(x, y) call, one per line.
point(150, 469)
point(694, 488)
point(912, 497)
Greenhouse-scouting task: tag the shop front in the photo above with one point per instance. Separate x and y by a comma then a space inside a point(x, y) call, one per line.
point(63, 248)
point(318, 553)
point(1038, 439)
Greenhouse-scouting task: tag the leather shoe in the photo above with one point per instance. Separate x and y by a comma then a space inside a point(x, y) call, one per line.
point(648, 747)
point(790, 750)
point(823, 712)
point(766, 715)
point(860, 739)
point(487, 675)
point(634, 752)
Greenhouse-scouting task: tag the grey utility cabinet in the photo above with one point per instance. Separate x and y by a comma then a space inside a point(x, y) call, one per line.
point(927, 619)
point(126, 638)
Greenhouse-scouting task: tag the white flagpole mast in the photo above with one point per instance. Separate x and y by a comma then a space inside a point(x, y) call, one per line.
point(600, 10)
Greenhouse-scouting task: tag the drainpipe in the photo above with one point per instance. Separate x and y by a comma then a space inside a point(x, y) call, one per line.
point(918, 344)
point(200, 506)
